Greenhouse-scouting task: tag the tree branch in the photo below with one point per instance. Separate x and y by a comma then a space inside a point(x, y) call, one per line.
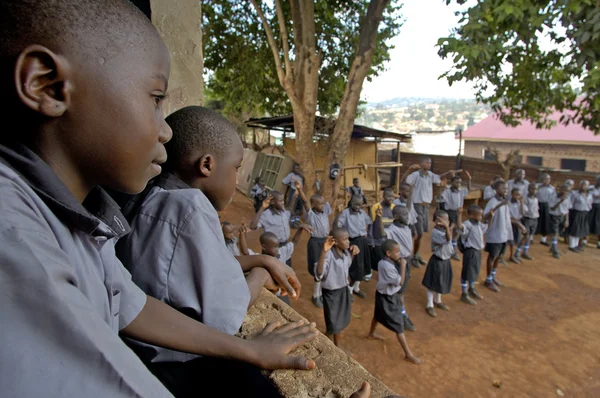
point(274, 48)
point(284, 39)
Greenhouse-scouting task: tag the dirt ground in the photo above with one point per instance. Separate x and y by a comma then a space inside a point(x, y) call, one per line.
point(539, 336)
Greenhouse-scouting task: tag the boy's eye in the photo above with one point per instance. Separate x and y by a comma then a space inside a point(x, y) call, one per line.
point(159, 98)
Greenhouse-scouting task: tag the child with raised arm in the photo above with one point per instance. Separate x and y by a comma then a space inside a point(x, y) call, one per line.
point(489, 192)
point(472, 238)
point(382, 217)
point(237, 246)
point(531, 216)
point(498, 234)
point(332, 270)
point(559, 216)
point(518, 182)
point(420, 177)
point(317, 217)
point(259, 193)
point(517, 208)
point(438, 275)
point(581, 204)
point(404, 199)
point(356, 221)
point(388, 307)
point(545, 194)
point(454, 199)
point(355, 190)
point(292, 199)
point(400, 232)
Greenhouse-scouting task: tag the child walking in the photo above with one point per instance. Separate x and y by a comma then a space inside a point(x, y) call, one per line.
point(472, 233)
point(559, 216)
point(438, 275)
point(332, 270)
point(516, 208)
point(545, 194)
point(259, 193)
point(400, 232)
point(317, 217)
point(356, 222)
point(581, 204)
point(594, 192)
point(454, 199)
point(498, 234)
point(388, 306)
point(531, 216)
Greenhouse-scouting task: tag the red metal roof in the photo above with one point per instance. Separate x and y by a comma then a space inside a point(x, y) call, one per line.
point(492, 129)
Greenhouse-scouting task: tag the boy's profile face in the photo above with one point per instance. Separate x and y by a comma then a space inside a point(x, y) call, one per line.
point(271, 247)
point(318, 204)
point(220, 186)
point(456, 183)
point(501, 189)
point(277, 202)
point(297, 169)
point(355, 205)
point(401, 214)
point(394, 254)
point(342, 240)
point(476, 215)
point(404, 191)
point(425, 164)
point(388, 197)
point(356, 183)
point(228, 232)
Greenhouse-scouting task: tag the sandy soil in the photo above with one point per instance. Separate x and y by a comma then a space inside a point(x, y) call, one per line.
point(539, 336)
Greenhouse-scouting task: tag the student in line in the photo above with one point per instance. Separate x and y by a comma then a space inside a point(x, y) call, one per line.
point(497, 235)
point(595, 212)
point(545, 194)
point(454, 199)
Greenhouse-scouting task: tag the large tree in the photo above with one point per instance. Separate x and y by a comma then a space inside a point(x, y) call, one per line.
point(300, 56)
point(524, 57)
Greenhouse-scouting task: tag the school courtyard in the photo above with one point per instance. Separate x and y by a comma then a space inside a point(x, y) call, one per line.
point(539, 336)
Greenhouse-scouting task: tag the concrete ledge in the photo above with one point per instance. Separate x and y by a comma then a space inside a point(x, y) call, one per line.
point(336, 375)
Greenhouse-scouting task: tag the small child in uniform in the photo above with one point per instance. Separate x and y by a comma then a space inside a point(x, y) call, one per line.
point(237, 247)
point(355, 190)
point(317, 217)
point(595, 212)
point(438, 275)
point(499, 232)
point(259, 193)
point(559, 216)
point(400, 232)
point(382, 217)
point(472, 238)
point(404, 199)
point(517, 208)
point(489, 192)
point(545, 194)
point(332, 270)
point(356, 221)
point(292, 199)
point(531, 215)
point(581, 204)
point(387, 299)
point(454, 199)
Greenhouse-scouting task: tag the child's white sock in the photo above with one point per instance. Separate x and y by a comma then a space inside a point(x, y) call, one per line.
point(438, 298)
point(317, 292)
point(356, 287)
point(573, 241)
point(429, 299)
point(543, 240)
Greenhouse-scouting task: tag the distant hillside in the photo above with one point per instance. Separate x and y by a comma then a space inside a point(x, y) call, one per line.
point(422, 114)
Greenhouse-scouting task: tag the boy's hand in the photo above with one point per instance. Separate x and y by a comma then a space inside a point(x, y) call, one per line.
point(329, 243)
point(364, 392)
point(521, 199)
point(441, 222)
point(503, 203)
point(267, 202)
point(272, 345)
point(354, 250)
point(415, 167)
point(566, 225)
point(283, 276)
point(522, 229)
point(244, 229)
point(296, 183)
point(379, 212)
point(306, 227)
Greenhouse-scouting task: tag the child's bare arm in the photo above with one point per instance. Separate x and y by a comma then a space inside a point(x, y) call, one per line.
point(302, 195)
point(161, 325)
point(256, 279)
point(402, 263)
point(265, 205)
point(243, 241)
point(409, 170)
point(283, 275)
point(468, 175)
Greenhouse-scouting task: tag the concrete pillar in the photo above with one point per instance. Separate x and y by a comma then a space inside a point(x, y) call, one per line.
point(180, 25)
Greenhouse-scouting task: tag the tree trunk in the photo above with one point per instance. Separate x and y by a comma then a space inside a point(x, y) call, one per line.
point(304, 122)
point(340, 140)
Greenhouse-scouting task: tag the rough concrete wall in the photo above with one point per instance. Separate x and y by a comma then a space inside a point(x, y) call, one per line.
point(336, 375)
point(551, 153)
point(179, 23)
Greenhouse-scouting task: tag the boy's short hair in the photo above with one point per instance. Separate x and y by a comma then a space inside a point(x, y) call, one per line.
point(356, 198)
point(515, 190)
point(498, 183)
point(314, 198)
point(424, 159)
point(267, 237)
point(497, 177)
point(439, 213)
point(335, 232)
point(388, 190)
point(405, 185)
point(355, 179)
point(399, 209)
point(455, 177)
point(197, 131)
point(388, 245)
point(473, 208)
point(276, 195)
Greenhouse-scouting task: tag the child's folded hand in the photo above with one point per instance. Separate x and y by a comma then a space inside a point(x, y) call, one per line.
point(284, 277)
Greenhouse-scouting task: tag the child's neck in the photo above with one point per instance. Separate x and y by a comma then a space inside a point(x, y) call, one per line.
point(454, 188)
point(399, 223)
point(316, 211)
point(338, 251)
point(474, 221)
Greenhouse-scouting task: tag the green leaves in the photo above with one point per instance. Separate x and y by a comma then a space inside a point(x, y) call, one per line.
point(523, 57)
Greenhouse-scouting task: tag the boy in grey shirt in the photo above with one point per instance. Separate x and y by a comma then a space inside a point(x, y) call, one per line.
point(498, 234)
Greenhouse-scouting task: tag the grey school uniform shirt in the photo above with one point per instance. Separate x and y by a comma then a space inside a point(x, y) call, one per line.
point(488, 192)
point(233, 247)
point(562, 208)
point(64, 294)
point(532, 207)
point(500, 228)
point(545, 194)
point(335, 270)
point(176, 253)
point(401, 234)
point(472, 234)
point(515, 209)
point(454, 199)
point(285, 252)
point(388, 278)
point(412, 213)
point(277, 222)
point(581, 202)
point(355, 223)
point(319, 222)
point(523, 186)
point(440, 246)
point(423, 186)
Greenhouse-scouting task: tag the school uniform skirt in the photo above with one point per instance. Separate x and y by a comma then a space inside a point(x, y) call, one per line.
point(361, 264)
point(578, 223)
point(471, 264)
point(313, 252)
point(594, 218)
point(388, 311)
point(337, 306)
point(544, 226)
point(438, 275)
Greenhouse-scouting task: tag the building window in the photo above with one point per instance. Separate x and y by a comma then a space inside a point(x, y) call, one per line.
point(534, 160)
point(573, 164)
point(487, 155)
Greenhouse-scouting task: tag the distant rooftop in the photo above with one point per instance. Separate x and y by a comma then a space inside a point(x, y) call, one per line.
point(492, 129)
point(286, 123)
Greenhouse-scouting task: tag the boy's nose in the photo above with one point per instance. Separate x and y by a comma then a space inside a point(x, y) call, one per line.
point(165, 134)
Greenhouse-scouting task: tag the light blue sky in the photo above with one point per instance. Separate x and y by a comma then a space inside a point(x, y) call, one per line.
point(415, 66)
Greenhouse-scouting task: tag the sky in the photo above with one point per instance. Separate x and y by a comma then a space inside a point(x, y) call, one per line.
point(414, 67)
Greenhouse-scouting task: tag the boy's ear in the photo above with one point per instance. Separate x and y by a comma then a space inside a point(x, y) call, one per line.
point(43, 81)
point(206, 165)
